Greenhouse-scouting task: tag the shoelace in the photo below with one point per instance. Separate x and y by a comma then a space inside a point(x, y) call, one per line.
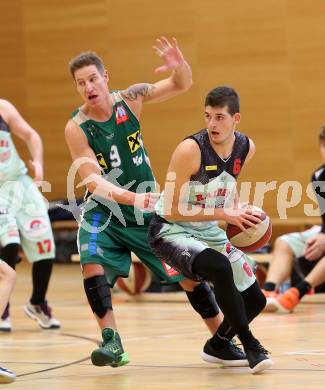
point(112, 346)
point(235, 346)
point(45, 309)
point(255, 344)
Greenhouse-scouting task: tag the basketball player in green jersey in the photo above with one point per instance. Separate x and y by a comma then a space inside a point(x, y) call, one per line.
point(7, 281)
point(104, 139)
point(23, 214)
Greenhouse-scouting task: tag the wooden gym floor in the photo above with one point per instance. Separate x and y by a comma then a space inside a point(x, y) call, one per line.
point(163, 339)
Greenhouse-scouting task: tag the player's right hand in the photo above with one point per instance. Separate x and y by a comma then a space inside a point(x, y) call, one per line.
point(146, 201)
point(242, 217)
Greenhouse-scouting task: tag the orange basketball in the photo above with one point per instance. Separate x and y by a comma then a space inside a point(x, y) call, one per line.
point(252, 239)
point(138, 280)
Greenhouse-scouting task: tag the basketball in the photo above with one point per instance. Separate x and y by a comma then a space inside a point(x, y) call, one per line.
point(138, 280)
point(252, 239)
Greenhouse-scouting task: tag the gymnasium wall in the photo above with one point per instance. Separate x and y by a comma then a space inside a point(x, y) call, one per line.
point(272, 52)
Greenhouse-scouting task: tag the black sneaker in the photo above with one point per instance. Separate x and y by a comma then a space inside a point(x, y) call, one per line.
point(257, 356)
point(230, 355)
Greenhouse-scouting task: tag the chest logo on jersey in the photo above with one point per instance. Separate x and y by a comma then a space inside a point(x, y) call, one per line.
point(211, 167)
point(134, 141)
point(121, 115)
point(137, 160)
point(101, 160)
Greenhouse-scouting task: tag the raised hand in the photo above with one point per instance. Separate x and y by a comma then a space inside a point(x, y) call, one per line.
point(170, 53)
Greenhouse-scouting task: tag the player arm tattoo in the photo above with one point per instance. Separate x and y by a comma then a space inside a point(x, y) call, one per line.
point(142, 89)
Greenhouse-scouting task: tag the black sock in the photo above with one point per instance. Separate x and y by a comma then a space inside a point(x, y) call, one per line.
point(215, 267)
point(304, 287)
point(254, 301)
point(5, 314)
point(269, 286)
point(41, 276)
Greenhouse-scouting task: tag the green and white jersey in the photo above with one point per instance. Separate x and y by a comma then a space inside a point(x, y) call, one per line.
point(11, 165)
point(117, 144)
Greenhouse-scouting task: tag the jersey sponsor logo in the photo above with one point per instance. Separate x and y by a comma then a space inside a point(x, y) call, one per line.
point(4, 156)
point(101, 160)
point(211, 167)
point(223, 192)
point(247, 269)
point(4, 143)
point(231, 252)
point(93, 130)
point(13, 230)
point(36, 227)
point(168, 269)
point(228, 247)
point(134, 141)
point(137, 160)
point(121, 115)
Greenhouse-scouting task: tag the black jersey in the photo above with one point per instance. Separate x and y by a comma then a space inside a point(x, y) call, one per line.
point(216, 177)
point(212, 165)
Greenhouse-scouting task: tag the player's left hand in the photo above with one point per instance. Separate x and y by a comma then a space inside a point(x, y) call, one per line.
point(37, 169)
point(315, 247)
point(170, 53)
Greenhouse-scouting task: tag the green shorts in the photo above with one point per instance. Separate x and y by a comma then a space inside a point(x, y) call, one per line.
point(297, 241)
point(24, 219)
point(112, 248)
point(181, 243)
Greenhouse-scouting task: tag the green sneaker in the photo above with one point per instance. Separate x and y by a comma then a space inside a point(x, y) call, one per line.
point(111, 353)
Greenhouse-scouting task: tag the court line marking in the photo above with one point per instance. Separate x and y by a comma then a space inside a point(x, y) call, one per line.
point(65, 364)
point(145, 366)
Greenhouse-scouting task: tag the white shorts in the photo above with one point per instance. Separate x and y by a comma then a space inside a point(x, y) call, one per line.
point(24, 219)
point(297, 241)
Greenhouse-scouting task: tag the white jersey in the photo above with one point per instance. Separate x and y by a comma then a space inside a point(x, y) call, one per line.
point(11, 165)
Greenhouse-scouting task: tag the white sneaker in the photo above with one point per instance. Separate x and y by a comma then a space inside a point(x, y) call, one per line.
point(5, 324)
point(6, 376)
point(42, 314)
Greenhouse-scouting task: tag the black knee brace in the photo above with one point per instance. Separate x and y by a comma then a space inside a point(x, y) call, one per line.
point(203, 300)
point(98, 294)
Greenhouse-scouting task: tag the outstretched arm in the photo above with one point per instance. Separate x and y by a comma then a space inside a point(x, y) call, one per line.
point(90, 173)
point(179, 81)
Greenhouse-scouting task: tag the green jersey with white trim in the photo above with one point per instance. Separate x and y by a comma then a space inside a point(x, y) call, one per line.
point(117, 144)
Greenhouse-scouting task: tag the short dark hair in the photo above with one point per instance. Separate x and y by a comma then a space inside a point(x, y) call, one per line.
point(85, 59)
point(321, 135)
point(224, 96)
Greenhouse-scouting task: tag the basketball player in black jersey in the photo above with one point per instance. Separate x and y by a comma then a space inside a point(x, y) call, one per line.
point(185, 233)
